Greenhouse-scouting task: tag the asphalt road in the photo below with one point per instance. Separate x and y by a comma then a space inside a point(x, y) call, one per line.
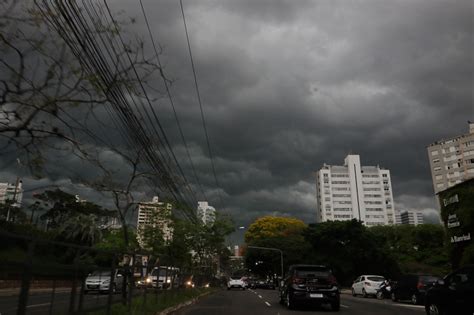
point(40, 303)
point(263, 302)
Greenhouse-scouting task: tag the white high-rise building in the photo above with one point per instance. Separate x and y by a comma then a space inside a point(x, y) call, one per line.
point(13, 192)
point(206, 213)
point(352, 191)
point(157, 215)
point(409, 217)
point(452, 160)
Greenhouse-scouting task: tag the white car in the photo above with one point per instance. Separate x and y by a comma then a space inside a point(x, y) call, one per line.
point(236, 282)
point(367, 285)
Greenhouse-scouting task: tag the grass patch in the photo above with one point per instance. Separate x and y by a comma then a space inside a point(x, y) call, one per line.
point(155, 302)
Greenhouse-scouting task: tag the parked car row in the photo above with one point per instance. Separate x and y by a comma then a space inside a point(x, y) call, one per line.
point(451, 295)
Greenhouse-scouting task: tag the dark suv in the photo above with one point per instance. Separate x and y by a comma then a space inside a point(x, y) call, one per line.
point(413, 288)
point(310, 284)
point(454, 295)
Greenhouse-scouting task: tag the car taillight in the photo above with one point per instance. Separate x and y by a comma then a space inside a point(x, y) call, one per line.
point(419, 285)
point(367, 283)
point(298, 280)
point(332, 280)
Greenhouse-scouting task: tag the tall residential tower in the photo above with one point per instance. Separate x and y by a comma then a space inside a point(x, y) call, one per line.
point(452, 160)
point(352, 191)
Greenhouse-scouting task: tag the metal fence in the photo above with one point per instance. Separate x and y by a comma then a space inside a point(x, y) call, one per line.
point(39, 276)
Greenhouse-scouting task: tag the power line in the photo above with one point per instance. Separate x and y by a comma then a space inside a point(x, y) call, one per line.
point(71, 25)
point(199, 101)
point(168, 92)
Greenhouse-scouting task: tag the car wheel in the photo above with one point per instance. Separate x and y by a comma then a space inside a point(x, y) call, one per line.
point(353, 292)
point(433, 309)
point(289, 301)
point(414, 299)
point(364, 294)
point(394, 297)
point(336, 306)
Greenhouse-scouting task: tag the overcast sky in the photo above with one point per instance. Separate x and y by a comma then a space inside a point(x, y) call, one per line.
point(289, 85)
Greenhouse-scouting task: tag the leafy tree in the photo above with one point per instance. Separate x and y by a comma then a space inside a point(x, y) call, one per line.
point(60, 206)
point(416, 248)
point(350, 249)
point(82, 228)
point(270, 226)
point(285, 234)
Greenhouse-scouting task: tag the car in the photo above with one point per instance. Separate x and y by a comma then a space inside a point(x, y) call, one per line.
point(164, 277)
point(236, 282)
point(366, 285)
point(452, 295)
point(310, 284)
point(263, 284)
point(413, 288)
point(99, 281)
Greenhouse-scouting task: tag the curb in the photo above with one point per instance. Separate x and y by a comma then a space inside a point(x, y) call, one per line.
point(172, 309)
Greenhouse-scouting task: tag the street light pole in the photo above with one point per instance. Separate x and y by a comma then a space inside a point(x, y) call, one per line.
point(273, 249)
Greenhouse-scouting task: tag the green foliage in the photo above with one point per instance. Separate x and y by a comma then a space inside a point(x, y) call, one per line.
point(60, 206)
point(350, 249)
point(269, 226)
point(416, 248)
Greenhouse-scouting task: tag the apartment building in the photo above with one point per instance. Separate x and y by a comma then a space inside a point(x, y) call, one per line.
point(157, 215)
point(13, 192)
point(452, 160)
point(409, 217)
point(206, 213)
point(352, 191)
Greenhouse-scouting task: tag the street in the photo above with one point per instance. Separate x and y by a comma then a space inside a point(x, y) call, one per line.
point(40, 303)
point(264, 302)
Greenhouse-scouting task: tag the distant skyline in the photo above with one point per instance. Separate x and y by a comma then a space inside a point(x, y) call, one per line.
point(290, 85)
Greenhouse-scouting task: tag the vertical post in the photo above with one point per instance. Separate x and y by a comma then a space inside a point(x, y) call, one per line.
point(53, 292)
point(72, 300)
point(111, 284)
point(281, 258)
point(81, 295)
point(131, 284)
point(26, 279)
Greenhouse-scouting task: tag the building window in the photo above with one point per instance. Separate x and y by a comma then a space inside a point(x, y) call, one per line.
point(436, 161)
point(434, 153)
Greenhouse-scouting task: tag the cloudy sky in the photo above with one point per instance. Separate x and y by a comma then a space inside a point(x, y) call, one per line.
point(289, 85)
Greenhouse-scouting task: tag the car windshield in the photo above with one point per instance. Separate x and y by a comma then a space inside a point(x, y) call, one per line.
point(101, 274)
point(376, 279)
point(163, 272)
point(235, 278)
point(312, 272)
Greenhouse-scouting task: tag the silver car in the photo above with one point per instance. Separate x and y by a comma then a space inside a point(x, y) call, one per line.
point(100, 281)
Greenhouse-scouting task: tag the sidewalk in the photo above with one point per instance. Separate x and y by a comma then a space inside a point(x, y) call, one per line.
point(16, 291)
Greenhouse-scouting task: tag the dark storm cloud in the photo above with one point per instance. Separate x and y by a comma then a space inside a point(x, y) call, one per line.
point(289, 85)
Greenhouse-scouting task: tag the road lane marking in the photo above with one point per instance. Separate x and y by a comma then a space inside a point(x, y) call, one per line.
point(412, 306)
point(345, 306)
point(37, 305)
point(260, 296)
point(268, 303)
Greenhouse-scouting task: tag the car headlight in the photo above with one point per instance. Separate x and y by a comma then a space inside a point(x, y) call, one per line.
point(148, 280)
point(168, 281)
point(206, 285)
point(188, 283)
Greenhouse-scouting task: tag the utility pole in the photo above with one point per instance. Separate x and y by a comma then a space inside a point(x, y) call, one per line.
point(272, 249)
